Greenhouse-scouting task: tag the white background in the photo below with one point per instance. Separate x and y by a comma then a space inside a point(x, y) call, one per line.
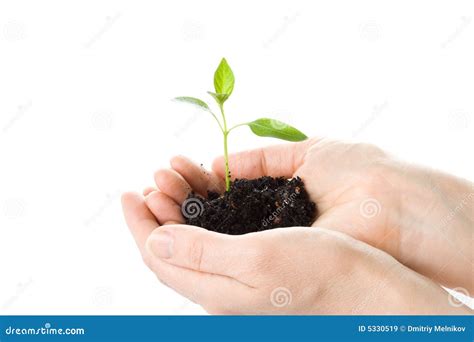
point(85, 114)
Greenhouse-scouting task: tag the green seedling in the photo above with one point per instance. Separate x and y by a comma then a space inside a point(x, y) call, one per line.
point(263, 127)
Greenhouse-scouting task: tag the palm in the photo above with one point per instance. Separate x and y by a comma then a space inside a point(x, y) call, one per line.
point(341, 178)
point(352, 194)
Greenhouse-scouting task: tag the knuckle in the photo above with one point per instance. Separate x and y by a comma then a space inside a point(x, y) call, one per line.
point(147, 259)
point(195, 253)
point(159, 174)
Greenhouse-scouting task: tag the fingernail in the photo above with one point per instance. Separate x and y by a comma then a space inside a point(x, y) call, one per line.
point(161, 245)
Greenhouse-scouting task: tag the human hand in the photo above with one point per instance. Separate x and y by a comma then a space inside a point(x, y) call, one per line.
point(280, 271)
point(361, 191)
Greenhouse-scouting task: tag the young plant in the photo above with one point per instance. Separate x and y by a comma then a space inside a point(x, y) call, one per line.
point(263, 127)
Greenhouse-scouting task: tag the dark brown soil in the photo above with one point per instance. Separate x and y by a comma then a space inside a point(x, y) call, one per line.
point(251, 206)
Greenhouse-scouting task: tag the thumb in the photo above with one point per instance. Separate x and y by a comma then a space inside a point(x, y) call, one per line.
point(196, 249)
point(277, 161)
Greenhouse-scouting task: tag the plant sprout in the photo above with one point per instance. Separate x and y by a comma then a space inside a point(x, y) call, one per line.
point(263, 127)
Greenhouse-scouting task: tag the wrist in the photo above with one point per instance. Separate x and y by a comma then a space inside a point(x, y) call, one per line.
point(434, 212)
point(390, 288)
point(414, 294)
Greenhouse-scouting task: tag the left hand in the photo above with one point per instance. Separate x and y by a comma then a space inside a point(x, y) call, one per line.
point(421, 217)
point(281, 271)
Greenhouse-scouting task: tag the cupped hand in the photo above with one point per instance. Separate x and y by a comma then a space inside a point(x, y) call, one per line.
point(280, 271)
point(360, 191)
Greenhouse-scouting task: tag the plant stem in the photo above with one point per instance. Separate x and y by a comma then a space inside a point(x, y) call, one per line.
point(226, 158)
point(239, 125)
point(226, 153)
point(218, 122)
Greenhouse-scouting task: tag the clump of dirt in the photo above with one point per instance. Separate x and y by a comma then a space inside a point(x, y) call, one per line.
point(251, 206)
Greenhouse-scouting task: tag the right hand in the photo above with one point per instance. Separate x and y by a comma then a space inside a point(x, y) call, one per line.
point(359, 190)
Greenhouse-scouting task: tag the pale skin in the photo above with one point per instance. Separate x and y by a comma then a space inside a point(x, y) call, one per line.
point(350, 262)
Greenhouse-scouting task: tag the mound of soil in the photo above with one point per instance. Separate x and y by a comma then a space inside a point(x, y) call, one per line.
point(252, 206)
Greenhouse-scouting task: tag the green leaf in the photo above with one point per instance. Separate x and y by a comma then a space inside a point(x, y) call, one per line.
point(194, 101)
point(220, 98)
point(265, 127)
point(224, 79)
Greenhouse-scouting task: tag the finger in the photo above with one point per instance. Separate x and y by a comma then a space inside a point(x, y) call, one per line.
point(147, 190)
point(197, 177)
point(200, 250)
point(276, 161)
point(172, 184)
point(140, 220)
point(164, 208)
point(350, 222)
point(217, 294)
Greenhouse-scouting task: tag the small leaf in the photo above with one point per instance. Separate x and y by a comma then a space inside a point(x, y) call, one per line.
point(194, 101)
point(265, 127)
point(224, 79)
point(220, 98)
